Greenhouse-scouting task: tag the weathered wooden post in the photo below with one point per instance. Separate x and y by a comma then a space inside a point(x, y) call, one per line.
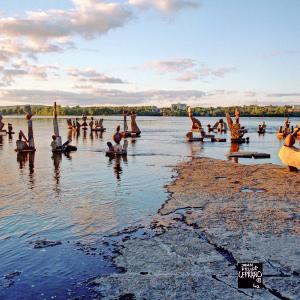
point(30, 129)
point(10, 129)
point(196, 127)
point(237, 132)
point(2, 131)
point(134, 128)
point(91, 124)
point(1, 123)
point(55, 126)
point(70, 125)
point(84, 124)
point(78, 125)
point(100, 124)
point(125, 126)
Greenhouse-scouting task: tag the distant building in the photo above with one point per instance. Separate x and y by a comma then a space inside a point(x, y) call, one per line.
point(178, 106)
point(296, 107)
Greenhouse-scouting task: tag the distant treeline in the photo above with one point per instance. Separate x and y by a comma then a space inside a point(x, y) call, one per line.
point(247, 111)
point(40, 110)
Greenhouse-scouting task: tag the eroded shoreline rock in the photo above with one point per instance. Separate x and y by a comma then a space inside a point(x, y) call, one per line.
point(209, 225)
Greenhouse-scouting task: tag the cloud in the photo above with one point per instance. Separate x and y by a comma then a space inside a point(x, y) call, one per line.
point(92, 76)
point(166, 6)
point(188, 76)
point(36, 32)
point(21, 68)
point(176, 65)
point(87, 19)
point(215, 72)
point(250, 94)
point(100, 97)
point(83, 86)
point(224, 92)
point(275, 53)
point(284, 95)
point(52, 31)
point(188, 69)
point(160, 98)
point(11, 49)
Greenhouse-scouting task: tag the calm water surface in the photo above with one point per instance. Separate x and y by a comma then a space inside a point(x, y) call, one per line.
point(87, 195)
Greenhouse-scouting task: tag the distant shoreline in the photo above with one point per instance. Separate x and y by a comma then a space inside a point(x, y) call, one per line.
point(153, 111)
point(97, 116)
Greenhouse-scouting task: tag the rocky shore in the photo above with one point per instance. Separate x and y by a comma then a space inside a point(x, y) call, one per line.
point(218, 214)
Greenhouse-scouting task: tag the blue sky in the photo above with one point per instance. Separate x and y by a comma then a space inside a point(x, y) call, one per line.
point(140, 52)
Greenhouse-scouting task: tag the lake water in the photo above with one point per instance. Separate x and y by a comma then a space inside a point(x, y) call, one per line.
point(85, 196)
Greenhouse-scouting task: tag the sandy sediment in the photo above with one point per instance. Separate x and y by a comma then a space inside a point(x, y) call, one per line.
point(218, 214)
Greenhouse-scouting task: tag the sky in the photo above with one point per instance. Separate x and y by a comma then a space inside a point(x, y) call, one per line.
point(150, 52)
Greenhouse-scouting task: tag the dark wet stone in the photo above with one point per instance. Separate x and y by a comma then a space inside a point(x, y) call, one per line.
point(9, 279)
point(220, 177)
point(44, 244)
point(12, 275)
point(128, 296)
point(121, 270)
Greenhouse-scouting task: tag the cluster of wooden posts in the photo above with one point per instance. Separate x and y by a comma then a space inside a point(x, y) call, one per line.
point(26, 144)
point(288, 154)
point(3, 131)
point(237, 132)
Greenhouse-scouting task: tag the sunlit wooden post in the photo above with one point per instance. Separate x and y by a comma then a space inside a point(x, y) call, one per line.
point(1, 123)
point(70, 125)
point(125, 126)
point(55, 125)
point(134, 128)
point(30, 129)
point(84, 124)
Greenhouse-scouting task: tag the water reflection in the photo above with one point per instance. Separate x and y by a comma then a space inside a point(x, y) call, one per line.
point(234, 148)
point(23, 158)
point(117, 162)
point(77, 135)
point(195, 148)
point(70, 134)
point(91, 136)
point(133, 141)
point(10, 137)
point(57, 158)
point(84, 135)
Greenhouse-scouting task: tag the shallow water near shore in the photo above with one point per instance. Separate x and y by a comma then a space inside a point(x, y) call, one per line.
point(85, 196)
